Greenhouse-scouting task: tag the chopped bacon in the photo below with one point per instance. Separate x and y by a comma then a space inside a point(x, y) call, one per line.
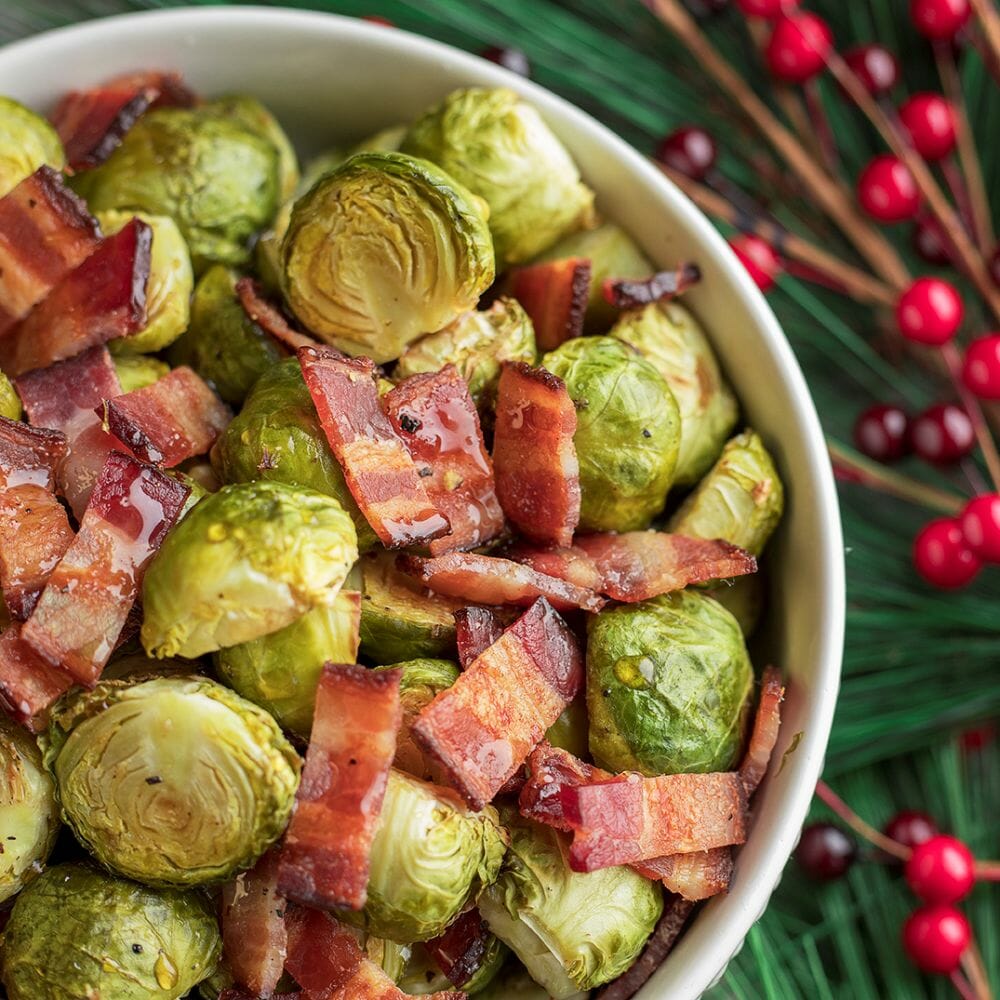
point(489, 580)
point(45, 233)
point(554, 295)
point(537, 471)
point(625, 293)
point(254, 936)
point(765, 730)
point(269, 317)
point(476, 629)
point(436, 419)
point(28, 685)
point(86, 601)
point(483, 727)
point(459, 952)
point(29, 455)
point(175, 418)
point(697, 875)
point(381, 475)
point(234, 993)
point(327, 848)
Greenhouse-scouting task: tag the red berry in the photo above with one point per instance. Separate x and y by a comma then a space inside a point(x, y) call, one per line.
point(887, 191)
point(882, 432)
point(798, 47)
point(766, 8)
point(930, 121)
point(825, 851)
point(758, 258)
point(942, 557)
point(981, 370)
point(513, 59)
point(941, 870)
point(942, 434)
point(910, 828)
point(939, 19)
point(980, 523)
point(875, 66)
point(935, 938)
point(930, 311)
point(928, 243)
point(689, 150)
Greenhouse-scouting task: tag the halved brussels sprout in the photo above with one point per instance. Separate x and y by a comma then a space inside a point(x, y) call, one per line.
point(10, 402)
point(422, 977)
point(572, 931)
point(741, 500)
point(383, 250)
point(27, 142)
point(498, 146)
point(668, 683)
point(277, 438)
point(77, 932)
point(136, 371)
point(514, 981)
point(476, 343)
point(628, 431)
point(245, 562)
point(171, 781)
point(672, 340)
point(743, 598)
point(29, 817)
point(569, 731)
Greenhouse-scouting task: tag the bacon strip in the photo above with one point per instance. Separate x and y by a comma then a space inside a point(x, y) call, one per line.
point(624, 293)
point(694, 876)
point(537, 471)
point(45, 233)
point(381, 475)
point(489, 580)
point(86, 601)
point(554, 294)
point(476, 629)
point(104, 298)
point(436, 419)
point(28, 685)
point(269, 317)
point(175, 418)
point(483, 727)
point(765, 730)
point(326, 855)
point(29, 455)
point(234, 993)
point(460, 951)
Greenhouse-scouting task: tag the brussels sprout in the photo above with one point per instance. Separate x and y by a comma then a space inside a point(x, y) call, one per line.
point(743, 598)
point(29, 818)
point(476, 343)
point(222, 344)
point(10, 402)
point(245, 562)
point(386, 140)
point(168, 292)
point(216, 179)
point(171, 781)
point(572, 931)
point(514, 981)
point(668, 682)
point(612, 254)
point(77, 933)
point(27, 142)
point(499, 147)
point(422, 977)
point(627, 434)
point(135, 665)
point(569, 731)
point(400, 620)
point(672, 340)
point(741, 499)
point(136, 371)
point(384, 249)
point(429, 855)
point(280, 671)
point(277, 438)
point(221, 979)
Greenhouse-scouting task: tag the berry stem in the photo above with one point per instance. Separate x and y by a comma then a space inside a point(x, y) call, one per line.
point(955, 180)
point(821, 124)
point(989, 19)
point(988, 871)
point(833, 801)
point(962, 986)
point(987, 445)
point(972, 965)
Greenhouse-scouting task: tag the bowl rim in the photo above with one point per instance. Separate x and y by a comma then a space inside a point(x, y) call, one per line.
point(711, 954)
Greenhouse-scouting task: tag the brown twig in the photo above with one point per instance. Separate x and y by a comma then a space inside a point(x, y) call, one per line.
point(962, 986)
point(987, 445)
point(833, 801)
point(821, 124)
point(989, 19)
point(972, 965)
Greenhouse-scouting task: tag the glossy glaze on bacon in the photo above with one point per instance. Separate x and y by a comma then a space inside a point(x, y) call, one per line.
point(476, 629)
point(327, 848)
point(29, 455)
point(460, 951)
point(554, 294)
point(269, 317)
point(764, 735)
point(697, 875)
point(626, 293)
point(28, 685)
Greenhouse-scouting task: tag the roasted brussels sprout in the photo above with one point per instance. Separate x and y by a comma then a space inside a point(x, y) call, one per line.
point(514, 981)
point(27, 142)
point(136, 371)
point(668, 682)
point(245, 562)
point(672, 340)
point(743, 598)
point(383, 250)
point(569, 731)
point(422, 977)
point(741, 499)
point(77, 933)
point(277, 438)
point(29, 818)
point(572, 931)
point(386, 140)
point(216, 178)
point(498, 146)
point(212, 987)
point(10, 402)
point(628, 431)
point(171, 781)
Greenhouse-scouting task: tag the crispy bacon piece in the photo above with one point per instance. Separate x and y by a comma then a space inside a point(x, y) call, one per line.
point(28, 685)
point(554, 295)
point(490, 580)
point(436, 419)
point(624, 293)
point(29, 455)
point(694, 876)
point(86, 601)
point(269, 317)
point(459, 952)
point(537, 471)
point(175, 418)
point(483, 727)
point(234, 993)
point(326, 854)
point(765, 730)
point(381, 475)
point(45, 233)
point(476, 629)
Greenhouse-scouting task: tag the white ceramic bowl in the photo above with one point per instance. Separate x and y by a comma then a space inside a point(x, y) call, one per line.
point(328, 79)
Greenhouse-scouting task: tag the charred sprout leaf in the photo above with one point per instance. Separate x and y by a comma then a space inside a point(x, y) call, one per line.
point(668, 682)
point(245, 562)
point(10, 402)
point(171, 781)
point(422, 976)
point(743, 598)
point(79, 932)
point(136, 371)
point(27, 141)
point(628, 431)
point(499, 147)
point(383, 250)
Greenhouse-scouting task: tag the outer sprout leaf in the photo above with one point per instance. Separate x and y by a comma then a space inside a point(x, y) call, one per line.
point(555, 296)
